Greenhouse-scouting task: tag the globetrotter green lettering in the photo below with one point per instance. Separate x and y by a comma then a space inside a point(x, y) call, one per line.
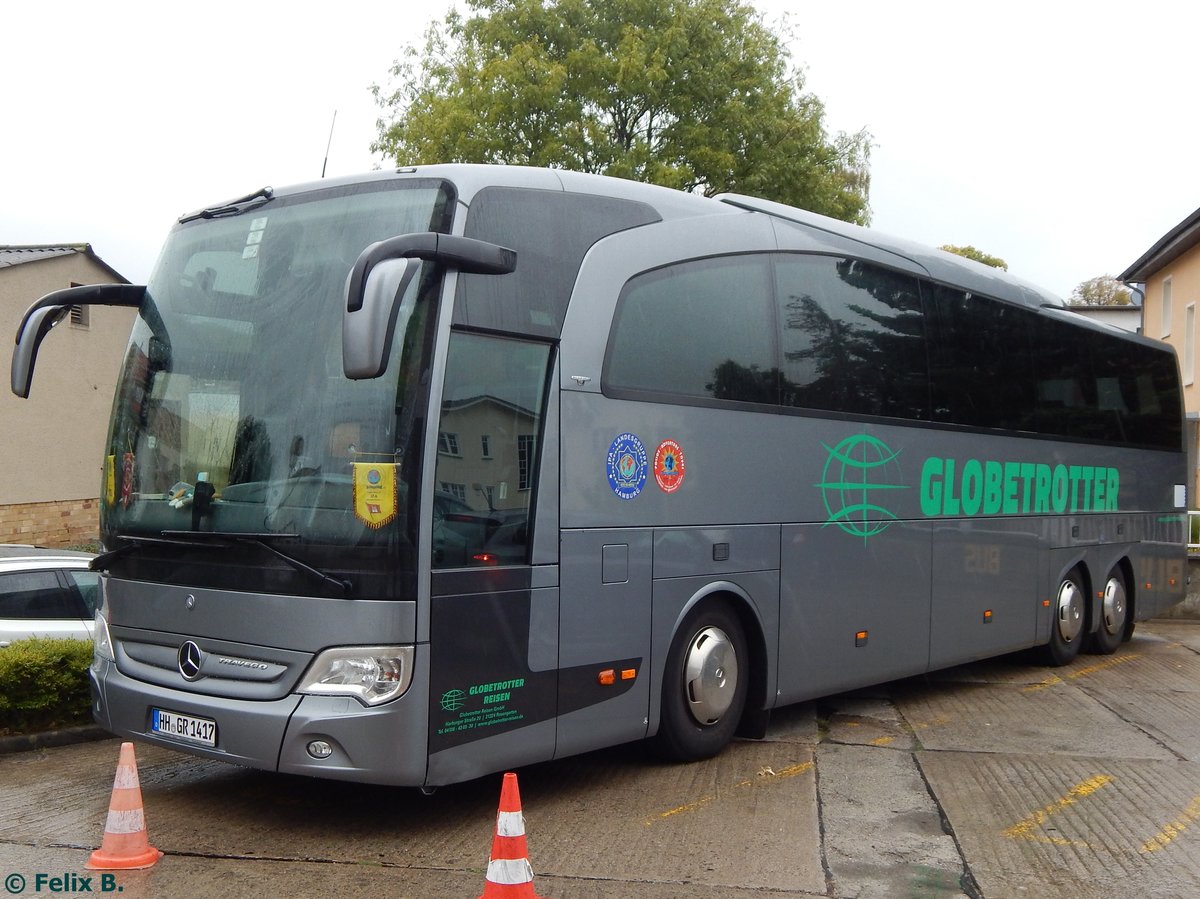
point(496, 687)
point(862, 475)
point(989, 487)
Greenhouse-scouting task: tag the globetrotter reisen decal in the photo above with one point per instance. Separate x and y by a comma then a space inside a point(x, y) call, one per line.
point(862, 471)
point(480, 679)
point(627, 466)
point(495, 706)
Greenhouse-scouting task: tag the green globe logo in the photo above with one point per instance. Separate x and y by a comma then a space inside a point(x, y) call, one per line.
point(857, 470)
point(453, 700)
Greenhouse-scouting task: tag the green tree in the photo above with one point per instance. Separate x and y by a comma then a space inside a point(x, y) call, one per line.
point(969, 252)
point(1104, 290)
point(699, 95)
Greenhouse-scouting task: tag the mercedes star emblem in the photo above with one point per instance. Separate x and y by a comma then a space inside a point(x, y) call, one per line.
point(190, 660)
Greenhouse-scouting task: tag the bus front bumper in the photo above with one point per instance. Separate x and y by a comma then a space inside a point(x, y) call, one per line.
point(319, 736)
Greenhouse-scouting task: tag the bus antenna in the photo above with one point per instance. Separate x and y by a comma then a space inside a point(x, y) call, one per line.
point(328, 143)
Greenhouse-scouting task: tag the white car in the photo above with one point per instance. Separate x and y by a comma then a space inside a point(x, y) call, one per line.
point(46, 593)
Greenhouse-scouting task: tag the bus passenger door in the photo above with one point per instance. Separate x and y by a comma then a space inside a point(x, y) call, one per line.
point(604, 638)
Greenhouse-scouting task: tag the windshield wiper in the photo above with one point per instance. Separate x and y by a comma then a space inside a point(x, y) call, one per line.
point(201, 538)
point(233, 207)
point(104, 561)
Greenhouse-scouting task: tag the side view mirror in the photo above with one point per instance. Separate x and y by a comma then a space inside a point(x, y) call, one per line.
point(381, 278)
point(367, 332)
point(47, 312)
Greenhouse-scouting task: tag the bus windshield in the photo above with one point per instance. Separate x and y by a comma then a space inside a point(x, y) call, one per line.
point(234, 429)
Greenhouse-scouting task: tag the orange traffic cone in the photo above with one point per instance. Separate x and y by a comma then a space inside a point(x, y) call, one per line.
point(126, 843)
point(509, 874)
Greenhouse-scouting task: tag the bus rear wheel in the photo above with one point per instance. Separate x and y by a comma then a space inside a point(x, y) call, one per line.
point(1067, 627)
point(1114, 616)
point(704, 684)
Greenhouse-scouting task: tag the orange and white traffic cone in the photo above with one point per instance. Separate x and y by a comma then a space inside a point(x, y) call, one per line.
point(126, 843)
point(509, 874)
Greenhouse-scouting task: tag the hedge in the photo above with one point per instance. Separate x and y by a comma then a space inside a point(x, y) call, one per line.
point(44, 685)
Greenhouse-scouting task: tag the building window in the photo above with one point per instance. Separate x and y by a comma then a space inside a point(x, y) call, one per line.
point(525, 447)
point(448, 443)
point(458, 491)
point(1189, 344)
point(1166, 308)
point(80, 316)
point(486, 445)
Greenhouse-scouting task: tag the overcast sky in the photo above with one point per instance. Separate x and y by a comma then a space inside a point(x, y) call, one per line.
point(1060, 136)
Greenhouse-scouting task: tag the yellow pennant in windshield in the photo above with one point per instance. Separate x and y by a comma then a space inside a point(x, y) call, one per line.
point(375, 493)
point(110, 480)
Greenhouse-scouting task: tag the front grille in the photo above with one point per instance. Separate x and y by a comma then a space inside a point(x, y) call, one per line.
point(214, 667)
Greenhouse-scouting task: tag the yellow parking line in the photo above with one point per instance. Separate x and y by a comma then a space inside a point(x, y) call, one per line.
point(1023, 829)
point(690, 807)
point(793, 770)
point(1110, 662)
point(1170, 831)
point(936, 722)
point(1051, 681)
point(1054, 680)
point(764, 775)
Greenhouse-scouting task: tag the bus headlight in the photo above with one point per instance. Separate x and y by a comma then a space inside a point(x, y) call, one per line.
point(102, 648)
point(371, 674)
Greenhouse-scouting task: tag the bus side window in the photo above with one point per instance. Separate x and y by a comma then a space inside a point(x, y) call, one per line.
point(853, 337)
point(981, 367)
point(698, 329)
point(495, 387)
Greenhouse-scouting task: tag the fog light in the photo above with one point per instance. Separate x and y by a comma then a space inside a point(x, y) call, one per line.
point(319, 749)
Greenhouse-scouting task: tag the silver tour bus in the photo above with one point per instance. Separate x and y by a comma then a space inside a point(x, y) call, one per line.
point(434, 472)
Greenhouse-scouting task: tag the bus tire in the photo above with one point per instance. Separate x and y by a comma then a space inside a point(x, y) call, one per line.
point(1114, 616)
point(1067, 626)
point(704, 684)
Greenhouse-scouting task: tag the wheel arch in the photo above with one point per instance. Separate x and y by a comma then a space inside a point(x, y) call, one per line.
point(737, 599)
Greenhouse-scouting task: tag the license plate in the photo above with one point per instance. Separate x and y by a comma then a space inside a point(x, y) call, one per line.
point(183, 727)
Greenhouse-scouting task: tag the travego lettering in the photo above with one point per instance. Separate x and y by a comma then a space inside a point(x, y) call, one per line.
point(953, 487)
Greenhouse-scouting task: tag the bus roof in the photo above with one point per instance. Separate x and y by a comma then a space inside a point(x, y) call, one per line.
point(941, 265)
point(672, 204)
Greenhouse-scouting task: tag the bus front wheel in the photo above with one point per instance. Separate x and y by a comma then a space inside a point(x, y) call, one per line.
point(704, 684)
point(1067, 633)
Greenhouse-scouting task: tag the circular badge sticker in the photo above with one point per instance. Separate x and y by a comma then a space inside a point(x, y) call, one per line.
point(669, 466)
point(628, 466)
